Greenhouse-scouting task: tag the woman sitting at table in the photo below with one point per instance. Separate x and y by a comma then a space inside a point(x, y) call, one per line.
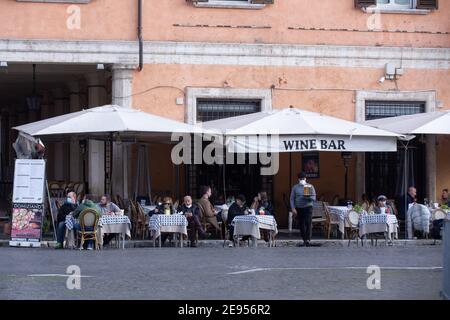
point(166, 207)
point(262, 203)
point(238, 208)
point(382, 206)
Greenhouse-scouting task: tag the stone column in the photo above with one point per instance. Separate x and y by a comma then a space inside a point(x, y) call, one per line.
point(61, 161)
point(96, 148)
point(122, 80)
point(75, 157)
point(431, 167)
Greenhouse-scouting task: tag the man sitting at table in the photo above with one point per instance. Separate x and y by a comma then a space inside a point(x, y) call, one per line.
point(69, 206)
point(192, 214)
point(262, 203)
point(86, 204)
point(106, 207)
point(238, 208)
point(382, 206)
point(207, 211)
point(444, 198)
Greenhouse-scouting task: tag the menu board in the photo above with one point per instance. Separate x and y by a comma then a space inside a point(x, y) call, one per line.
point(28, 203)
point(29, 178)
point(26, 224)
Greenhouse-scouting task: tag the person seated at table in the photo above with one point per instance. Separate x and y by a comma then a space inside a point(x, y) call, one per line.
point(192, 214)
point(411, 198)
point(365, 202)
point(70, 204)
point(207, 212)
point(444, 198)
point(382, 206)
point(238, 208)
point(105, 206)
point(87, 203)
point(261, 203)
point(166, 207)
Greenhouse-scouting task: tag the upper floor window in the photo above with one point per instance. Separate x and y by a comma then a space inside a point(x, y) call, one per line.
point(397, 6)
point(239, 4)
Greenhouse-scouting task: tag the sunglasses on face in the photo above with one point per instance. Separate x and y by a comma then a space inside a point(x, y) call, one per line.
point(167, 204)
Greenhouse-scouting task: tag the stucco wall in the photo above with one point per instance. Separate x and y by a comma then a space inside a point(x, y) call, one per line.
point(177, 20)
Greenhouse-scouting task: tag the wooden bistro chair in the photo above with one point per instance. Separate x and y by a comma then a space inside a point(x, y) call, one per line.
point(142, 225)
point(88, 218)
point(353, 222)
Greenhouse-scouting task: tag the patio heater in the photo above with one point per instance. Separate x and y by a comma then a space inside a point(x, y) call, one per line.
point(34, 101)
point(346, 157)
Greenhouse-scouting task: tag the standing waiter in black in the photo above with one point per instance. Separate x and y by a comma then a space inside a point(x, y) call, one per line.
point(303, 196)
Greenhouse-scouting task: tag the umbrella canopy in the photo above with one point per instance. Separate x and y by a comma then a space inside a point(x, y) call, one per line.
point(299, 130)
point(422, 123)
point(105, 120)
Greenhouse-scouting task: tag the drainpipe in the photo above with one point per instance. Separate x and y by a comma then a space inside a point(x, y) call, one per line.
point(141, 43)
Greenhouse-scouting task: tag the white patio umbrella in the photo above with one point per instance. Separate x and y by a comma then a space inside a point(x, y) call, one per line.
point(435, 123)
point(295, 130)
point(109, 122)
point(106, 120)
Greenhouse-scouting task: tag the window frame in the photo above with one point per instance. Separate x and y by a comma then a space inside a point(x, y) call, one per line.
point(228, 4)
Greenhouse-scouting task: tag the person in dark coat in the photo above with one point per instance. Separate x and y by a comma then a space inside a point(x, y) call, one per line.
point(192, 214)
point(238, 208)
point(69, 206)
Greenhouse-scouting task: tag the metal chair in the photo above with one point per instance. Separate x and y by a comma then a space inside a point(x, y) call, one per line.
point(319, 217)
point(332, 220)
point(353, 222)
point(88, 219)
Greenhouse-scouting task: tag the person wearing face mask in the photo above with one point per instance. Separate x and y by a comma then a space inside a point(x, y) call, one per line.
point(192, 214)
point(303, 196)
point(69, 206)
point(382, 206)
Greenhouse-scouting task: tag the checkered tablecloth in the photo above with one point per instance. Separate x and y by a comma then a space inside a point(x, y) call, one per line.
point(247, 218)
point(175, 223)
point(375, 223)
point(377, 218)
point(106, 223)
point(104, 220)
point(251, 225)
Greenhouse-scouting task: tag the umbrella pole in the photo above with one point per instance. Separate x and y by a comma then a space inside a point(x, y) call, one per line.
point(405, 187)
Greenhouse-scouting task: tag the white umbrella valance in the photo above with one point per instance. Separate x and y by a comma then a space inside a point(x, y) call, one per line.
point(293, 130)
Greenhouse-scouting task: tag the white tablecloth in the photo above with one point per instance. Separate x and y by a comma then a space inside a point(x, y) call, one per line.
point(175, 223)
point(374, 223)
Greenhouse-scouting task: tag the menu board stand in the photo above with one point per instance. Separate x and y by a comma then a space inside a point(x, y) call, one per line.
point(28, 203)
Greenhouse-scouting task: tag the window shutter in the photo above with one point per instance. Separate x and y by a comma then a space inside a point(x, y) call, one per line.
point(262, 1)
point(365, 3)
point(427, 4)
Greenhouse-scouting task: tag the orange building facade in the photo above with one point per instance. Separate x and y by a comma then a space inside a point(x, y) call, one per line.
point(203, 60)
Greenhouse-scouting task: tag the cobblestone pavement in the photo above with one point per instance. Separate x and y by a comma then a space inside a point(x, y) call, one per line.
point(230, 273)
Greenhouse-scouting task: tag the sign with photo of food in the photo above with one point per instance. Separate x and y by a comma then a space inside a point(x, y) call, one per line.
point(26, 222)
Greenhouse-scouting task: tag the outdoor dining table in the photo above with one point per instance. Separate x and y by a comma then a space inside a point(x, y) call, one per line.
point(175, 223)
point(379, 223)
point(339, 214)
point(107, 224)
point(250, 225)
